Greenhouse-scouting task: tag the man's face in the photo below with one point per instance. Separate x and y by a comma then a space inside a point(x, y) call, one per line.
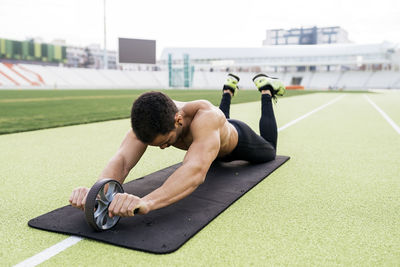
point(169, 139)
point(166, 140)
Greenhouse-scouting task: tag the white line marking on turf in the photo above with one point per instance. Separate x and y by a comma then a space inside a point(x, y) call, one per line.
point(384, 115)
point(72, 240)
point(49, 252)
point(309, 113)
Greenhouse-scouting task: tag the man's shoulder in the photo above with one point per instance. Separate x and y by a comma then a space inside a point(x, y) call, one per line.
point(208, 116)
point(194, 108)
point(199, 104)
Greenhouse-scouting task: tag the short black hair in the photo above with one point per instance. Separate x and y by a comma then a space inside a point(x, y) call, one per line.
point(153, 113)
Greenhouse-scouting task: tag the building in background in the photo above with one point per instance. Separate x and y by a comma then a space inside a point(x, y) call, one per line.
point(91, 57)
point(290, 58)
point(56, 53)
point(32, 51)
point(306, 36)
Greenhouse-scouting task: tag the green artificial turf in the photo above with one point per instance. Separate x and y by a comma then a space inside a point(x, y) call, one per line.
point(336, 202)
point(390, 102)
point(26, 110)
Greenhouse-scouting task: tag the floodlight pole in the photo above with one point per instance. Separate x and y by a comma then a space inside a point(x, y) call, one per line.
point(105, 39)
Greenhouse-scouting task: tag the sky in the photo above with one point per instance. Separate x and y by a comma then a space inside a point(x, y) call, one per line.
point(201, 23)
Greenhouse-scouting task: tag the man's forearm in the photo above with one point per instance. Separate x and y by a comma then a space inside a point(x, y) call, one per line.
point(115, 169)
point(129, 153)
point(179, 185)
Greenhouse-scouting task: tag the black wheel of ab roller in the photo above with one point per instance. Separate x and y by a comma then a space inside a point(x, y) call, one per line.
point(97, 201)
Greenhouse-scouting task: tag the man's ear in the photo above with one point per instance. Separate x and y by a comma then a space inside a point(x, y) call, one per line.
point(178, 119)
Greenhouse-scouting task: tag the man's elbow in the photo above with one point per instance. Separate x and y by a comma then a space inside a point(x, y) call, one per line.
point(199, 175)
point(199, 180)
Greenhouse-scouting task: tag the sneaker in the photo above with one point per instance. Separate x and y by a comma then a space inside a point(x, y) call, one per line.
point(274, 85)
point(231, 83)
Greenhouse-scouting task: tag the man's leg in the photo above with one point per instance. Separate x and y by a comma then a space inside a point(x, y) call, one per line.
point(269, 88)
point(251, 146)
point(225, 104)
point(268, 128)
point(229, 88)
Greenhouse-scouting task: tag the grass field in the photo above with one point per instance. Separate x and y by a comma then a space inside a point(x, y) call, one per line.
point(336, 202)
point(32, 110)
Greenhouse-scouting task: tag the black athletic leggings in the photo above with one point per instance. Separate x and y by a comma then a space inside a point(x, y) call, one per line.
point(251, 146)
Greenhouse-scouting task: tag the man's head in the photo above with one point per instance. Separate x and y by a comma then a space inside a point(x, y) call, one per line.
point(153, 114)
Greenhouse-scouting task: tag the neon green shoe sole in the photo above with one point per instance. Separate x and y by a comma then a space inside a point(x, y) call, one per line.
point(231, 83)
point(274, 85)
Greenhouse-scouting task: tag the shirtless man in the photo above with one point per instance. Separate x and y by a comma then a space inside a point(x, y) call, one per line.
point(205, 131)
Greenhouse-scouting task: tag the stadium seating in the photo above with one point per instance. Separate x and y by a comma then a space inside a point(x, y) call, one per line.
point(200, 80)
point(97, 79)
point(324, 80)
point(383, 79)
point(147, 79)
point(13, 77)
point(397, 83)
point(47, 77)
point(354, 79)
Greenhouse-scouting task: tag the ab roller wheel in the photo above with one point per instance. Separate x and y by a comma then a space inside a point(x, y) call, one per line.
point(98, 200)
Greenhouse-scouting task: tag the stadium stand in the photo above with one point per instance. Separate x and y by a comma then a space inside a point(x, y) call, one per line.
point(12, 76)
point(383, 79)
point(162, 77)
point(117, 78)
point(340, 66)
point(33, 77)
point(49, 77)
point(324, 80)
point(200, 81)
point(148, 79)
point(325, 66)
point(397, 84)
point(354, 79)
point(94, 77)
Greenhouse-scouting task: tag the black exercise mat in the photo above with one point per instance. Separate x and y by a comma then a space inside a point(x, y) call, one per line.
point(166, 229)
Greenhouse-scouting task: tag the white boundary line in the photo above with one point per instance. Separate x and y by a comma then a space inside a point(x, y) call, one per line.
point(384, 115)
point(309, 113)
point(49, 252)
point(72, 240)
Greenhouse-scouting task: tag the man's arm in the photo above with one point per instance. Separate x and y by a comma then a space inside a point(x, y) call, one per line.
point(127, 156)
point(199, 157)
point(190, 175)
